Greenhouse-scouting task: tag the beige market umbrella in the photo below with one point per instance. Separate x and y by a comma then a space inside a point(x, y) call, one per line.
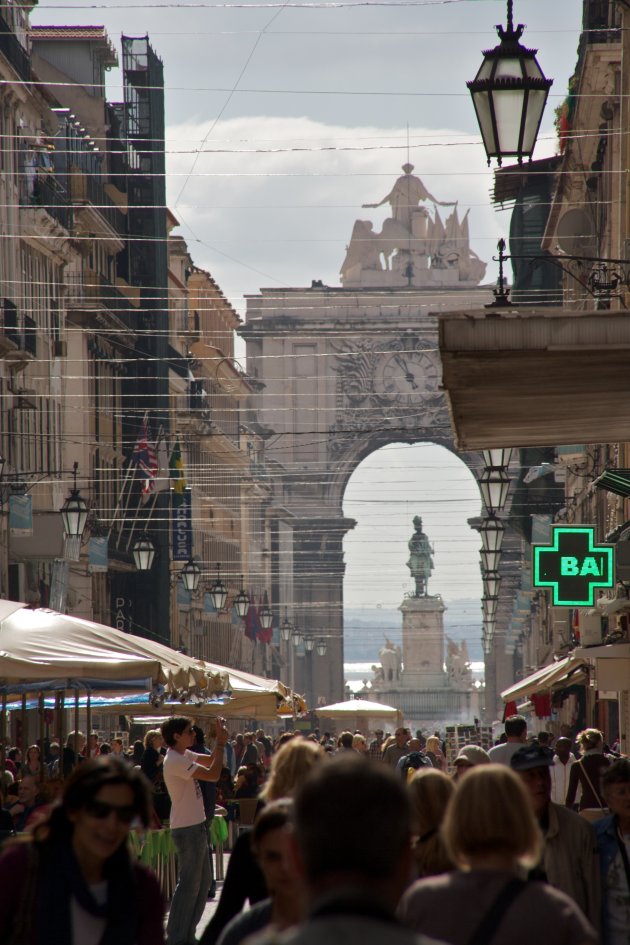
point(39, 644)
point(360, 713)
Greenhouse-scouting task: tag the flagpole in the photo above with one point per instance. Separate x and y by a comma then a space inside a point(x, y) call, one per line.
point(119, 502)
point(130, 467)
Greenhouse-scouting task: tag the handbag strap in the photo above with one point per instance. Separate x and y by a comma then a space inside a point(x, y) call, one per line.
point(590, 783)
point(487, 928)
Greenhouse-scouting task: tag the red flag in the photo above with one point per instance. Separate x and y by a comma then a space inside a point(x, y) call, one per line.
point(145, 459)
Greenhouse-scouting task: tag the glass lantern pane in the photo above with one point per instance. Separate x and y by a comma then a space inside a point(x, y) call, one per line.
point(508, 107)
point(481, 101)
point(535, 107)
point(509, 68)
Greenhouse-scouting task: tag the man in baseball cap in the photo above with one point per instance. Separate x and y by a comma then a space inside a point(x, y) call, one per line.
point(569, 859)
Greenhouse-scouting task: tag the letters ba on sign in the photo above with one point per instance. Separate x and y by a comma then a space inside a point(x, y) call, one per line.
point(573, 565)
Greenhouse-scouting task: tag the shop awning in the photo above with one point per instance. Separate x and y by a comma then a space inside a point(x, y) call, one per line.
point(565, 672)
point(614, 480)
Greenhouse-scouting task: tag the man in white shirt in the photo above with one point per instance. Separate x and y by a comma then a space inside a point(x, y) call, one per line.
point(182, 769)
point(516, 734)
point(563, 760)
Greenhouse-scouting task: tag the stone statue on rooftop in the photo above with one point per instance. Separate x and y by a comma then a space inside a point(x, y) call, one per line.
point(420, 558)
point(414, 247)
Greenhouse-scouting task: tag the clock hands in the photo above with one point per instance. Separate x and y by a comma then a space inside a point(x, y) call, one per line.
point(409, 377)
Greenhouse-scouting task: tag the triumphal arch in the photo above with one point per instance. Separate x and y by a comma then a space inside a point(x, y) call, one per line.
point(344, 370)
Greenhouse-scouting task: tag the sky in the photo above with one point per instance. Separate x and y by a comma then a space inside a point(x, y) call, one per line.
point(282, 120)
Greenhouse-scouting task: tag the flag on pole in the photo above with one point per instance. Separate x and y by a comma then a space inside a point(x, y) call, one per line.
point(178, 476)
point(145, 460)
point(163, 480)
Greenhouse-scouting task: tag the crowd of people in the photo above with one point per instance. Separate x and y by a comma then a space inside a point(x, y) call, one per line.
point(354, 839)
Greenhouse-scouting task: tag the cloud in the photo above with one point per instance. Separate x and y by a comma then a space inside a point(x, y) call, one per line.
point(272, 200)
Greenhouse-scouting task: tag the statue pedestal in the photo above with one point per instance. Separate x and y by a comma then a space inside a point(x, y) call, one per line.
point(423, 643)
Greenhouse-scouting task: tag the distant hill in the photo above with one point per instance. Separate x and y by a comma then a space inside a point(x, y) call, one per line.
point(365, 629)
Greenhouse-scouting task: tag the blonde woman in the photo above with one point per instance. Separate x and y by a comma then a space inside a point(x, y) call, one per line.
point(430, 791)
point(491, 834)
point(435, 753)
point(360, 744)
point(152, 767)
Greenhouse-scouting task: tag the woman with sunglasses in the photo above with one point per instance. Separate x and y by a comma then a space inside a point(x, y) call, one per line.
point(72, 880)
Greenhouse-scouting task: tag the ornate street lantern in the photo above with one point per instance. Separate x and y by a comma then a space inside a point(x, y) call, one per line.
point(509, 94)
point(191, 575)
point(491, 582)
point(265, 615)
point(489, 560)
point(74, 511)
point(143, 553)
point(241, 601)
point(489, 607)
point(296, 637)
point(286, 629)
point(218, 593)
point(492, 530)
point(494, 485)
point(309, 643)
point(497, 459)
point(320, 648)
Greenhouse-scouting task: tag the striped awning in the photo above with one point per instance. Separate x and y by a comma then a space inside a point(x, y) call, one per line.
point(614, 480)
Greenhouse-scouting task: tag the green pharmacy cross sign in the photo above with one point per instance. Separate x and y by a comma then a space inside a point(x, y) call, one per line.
point(573, 566)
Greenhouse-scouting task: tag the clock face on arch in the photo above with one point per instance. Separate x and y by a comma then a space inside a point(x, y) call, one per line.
point(403, 377)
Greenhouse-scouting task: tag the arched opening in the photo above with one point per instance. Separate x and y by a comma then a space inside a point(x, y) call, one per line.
point(385, 492)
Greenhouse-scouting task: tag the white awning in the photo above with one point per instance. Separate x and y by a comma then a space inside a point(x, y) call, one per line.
point(567, 671)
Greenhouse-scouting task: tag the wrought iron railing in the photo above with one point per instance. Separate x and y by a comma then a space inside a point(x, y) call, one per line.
point(13, 50)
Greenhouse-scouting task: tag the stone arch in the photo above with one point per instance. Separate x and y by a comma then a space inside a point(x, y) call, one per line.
point(343, 373)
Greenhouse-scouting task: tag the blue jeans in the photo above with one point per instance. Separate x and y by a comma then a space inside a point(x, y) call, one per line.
point(193, 882)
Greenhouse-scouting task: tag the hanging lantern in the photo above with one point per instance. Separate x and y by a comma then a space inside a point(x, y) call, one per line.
point(494, 485)
point(265, 615)
point(241, 602)
point(74, 512)
point(489, 560)
point(218, 593)
point(191, 575)
point(309, 643)
point(286, 629)
point(491, 582)
point(509, 94)
point(497, 459)
point(143, 553)
point(492, 531)
point(320, 648)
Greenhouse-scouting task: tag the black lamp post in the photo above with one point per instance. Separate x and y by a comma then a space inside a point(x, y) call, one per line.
point(143, 553)
point(218, 593)
point(509, 94)
point(74, 511)
point(191, 575)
